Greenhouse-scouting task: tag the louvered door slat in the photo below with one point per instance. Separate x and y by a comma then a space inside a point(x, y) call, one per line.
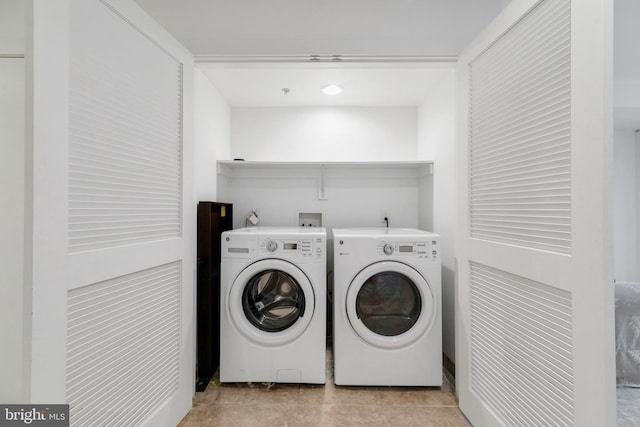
point(120, 333)
point(535, 37)
point(521, 332)
point(125, 148)
point(519, 133)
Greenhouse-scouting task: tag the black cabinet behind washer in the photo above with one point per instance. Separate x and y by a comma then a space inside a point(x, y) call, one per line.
point(213, 219)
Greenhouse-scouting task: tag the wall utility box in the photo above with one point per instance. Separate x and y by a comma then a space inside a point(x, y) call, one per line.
point(310, 219)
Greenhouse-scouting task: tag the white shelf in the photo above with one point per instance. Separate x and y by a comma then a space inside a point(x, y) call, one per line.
point(255, 169)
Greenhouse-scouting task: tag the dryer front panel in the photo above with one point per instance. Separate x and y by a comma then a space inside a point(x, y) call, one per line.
point(390, 305)
point(271, 302)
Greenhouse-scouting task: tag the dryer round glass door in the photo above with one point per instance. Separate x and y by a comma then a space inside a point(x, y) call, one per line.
point(390, 304)
point(271, 302)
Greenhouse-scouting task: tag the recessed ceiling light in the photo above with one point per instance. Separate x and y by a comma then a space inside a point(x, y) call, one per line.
point(332, 89)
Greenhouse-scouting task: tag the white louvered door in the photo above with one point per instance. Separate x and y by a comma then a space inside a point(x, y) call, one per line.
point(113, 249)
point(534, 321)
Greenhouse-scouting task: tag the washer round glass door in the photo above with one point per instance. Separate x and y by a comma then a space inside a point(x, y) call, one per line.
point(271, 302)
point(390, 304)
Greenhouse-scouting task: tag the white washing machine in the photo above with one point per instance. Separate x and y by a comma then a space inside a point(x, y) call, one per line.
point(273, 305)
point(387, 307)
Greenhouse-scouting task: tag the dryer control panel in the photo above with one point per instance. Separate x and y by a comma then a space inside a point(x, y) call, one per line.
point(428, 250)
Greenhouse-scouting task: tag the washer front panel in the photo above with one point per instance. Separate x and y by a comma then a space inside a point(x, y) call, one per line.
point(271, 302)
point(390, 305)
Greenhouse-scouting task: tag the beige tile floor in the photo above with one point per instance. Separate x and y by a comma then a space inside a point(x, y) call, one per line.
point(330, 405)
point(324, 405)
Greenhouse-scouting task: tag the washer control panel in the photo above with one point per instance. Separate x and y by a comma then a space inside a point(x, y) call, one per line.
point(429, 250)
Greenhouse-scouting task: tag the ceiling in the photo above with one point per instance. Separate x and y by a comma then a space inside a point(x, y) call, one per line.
point(357, 27)
point(333, 27)
point(371, 86)
point(301, 28)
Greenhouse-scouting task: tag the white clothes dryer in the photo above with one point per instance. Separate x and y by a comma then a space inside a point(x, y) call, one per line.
point(273, 305)
point(387, 307)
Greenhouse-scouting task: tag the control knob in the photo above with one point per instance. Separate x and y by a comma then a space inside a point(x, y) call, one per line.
point(388, 249)
point(272, 245)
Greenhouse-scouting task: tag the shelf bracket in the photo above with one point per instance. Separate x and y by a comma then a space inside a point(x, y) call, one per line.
point(322, 184)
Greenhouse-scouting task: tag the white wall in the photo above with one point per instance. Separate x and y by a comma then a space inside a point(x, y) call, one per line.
point(625, 197)
point(324, 133)
point(212, 136)
point(12, 160)
point(354, 198)
point(436, 141)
